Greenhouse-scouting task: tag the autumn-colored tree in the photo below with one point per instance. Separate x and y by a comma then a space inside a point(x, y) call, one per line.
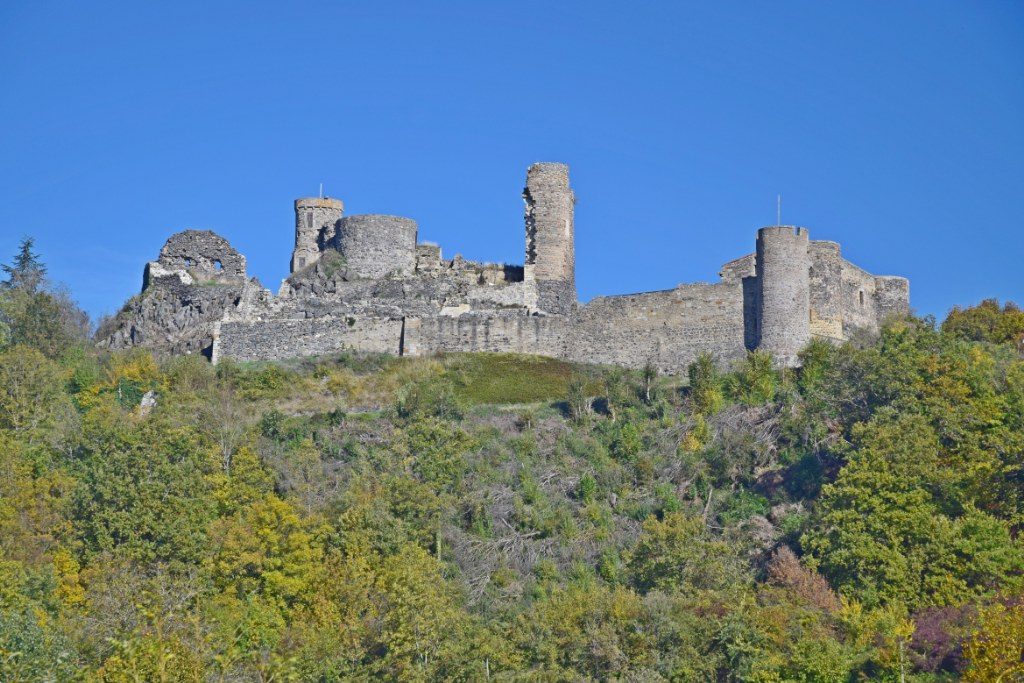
point(266, 550)
point(995, 649)
point(988, 321)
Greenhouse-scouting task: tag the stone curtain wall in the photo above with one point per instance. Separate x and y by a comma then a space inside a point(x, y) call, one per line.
point(282, 339)
point(539, 335)
point(892, 294)
point(669, 329)
point(826, 317)
point(856, 294)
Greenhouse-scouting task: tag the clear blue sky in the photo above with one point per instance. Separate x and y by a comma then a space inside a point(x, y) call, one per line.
point(895, 128)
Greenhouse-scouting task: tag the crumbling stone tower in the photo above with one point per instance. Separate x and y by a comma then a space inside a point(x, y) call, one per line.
point(550, 252)
point(316, 220)
point(784, 291)
point(375, 245)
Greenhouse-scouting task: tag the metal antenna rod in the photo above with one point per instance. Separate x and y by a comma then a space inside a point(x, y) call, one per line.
point(321, 190)
point(778, 210)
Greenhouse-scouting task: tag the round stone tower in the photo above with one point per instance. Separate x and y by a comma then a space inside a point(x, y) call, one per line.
point(316, 219)
point(550, 235)
point(783, 276)
point(375, 245)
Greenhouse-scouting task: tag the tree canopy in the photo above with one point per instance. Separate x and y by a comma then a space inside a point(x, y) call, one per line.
point(364, 517)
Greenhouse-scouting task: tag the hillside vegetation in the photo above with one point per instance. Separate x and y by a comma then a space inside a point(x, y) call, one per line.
point(500, 517)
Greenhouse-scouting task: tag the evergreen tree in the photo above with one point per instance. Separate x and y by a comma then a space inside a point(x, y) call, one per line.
point(27, 272)
point(35, 314)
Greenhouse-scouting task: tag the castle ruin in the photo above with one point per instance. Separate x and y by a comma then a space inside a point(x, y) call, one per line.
point(366, 282)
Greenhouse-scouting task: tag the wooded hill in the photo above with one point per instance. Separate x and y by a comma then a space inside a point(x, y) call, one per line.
point(492, 517)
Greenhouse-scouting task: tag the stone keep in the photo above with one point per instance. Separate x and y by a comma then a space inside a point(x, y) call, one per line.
point(365, 282)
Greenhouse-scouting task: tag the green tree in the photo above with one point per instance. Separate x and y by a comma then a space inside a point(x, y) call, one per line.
point(987, 322)
point(678, 553)
point(585, 631)
point(881, 535)
point(265, 550)
point(33, 402)
point(420, 619)
point(27, 272)
point(31, 649)
point(995, 649)
point(145, 490)
point(36, 315)
point(706, 385)
point(755, 381)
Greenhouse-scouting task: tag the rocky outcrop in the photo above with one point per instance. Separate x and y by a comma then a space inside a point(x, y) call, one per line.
point(198, 281)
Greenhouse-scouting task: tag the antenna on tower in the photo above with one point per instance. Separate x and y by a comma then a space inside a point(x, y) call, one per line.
point(321, 190)
point(778, 210)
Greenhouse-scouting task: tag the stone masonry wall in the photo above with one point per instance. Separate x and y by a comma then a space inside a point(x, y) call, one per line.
point(892, 294)
point(282, 339)
point(362, 282)
point(375, 245)
point(316, 220)
point(203, 254)
point(550, 248)
point(668, 329)
point(783, 275)
point(538, 335)
point(856, 294)
point(826, 318)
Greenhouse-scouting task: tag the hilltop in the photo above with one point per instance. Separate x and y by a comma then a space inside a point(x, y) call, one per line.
point(511, 517)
